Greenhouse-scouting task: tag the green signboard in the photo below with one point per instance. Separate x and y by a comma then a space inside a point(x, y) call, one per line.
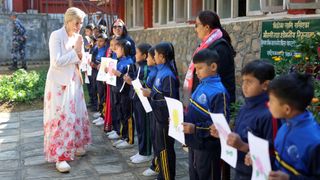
point(279, 37)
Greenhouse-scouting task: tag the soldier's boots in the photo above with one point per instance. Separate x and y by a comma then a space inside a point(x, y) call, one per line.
point(24, 65)
point(14, 66)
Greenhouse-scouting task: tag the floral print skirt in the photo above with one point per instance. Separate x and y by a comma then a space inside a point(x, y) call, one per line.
point(66, 122)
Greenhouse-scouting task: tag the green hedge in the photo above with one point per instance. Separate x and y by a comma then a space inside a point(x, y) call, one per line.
point(22, 86)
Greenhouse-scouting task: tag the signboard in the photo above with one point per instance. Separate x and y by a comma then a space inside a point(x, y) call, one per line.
point(279, 38)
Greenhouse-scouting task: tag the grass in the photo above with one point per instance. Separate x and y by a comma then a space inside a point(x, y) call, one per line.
point(32, 105)
point(25, 106)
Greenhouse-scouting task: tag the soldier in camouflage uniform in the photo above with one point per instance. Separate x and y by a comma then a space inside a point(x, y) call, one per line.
point(18, 43)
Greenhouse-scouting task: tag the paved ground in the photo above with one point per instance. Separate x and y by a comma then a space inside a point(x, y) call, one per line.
point(21, 154)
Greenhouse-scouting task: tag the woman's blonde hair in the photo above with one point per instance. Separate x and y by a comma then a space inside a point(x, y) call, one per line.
point(73, 13)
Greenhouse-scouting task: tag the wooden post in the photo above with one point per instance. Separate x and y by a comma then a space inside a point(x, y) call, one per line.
point(148, 14)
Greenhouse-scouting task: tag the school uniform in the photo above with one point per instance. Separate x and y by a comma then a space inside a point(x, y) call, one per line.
point(140, 115)
point(98, 87)
point(149, 83)
point(108, 106)
point(297, 147)
point(253, 116)
point(121, 103)
point(204, 157)
point(165, 85)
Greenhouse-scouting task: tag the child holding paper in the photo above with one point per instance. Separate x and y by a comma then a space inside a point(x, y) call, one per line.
point(297, 144)
point(154, 168)
point(107, 115)
point(140, 115)
point(121, 103)
point(254, 115)
point(166, 84)
point(209, 96)
point(98, 87)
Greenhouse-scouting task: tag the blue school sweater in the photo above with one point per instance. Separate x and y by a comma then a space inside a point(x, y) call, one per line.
point(209, 96)
point(151, 76)
point(297, 147)
point(165, 85)
point(254, 116)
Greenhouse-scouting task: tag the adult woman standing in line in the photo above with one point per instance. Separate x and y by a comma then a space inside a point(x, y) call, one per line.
point(119, 29)
point(66, 123)
point(213, 36)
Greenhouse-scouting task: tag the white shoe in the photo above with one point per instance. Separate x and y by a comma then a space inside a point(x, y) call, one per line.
point(96, 120)
point(124, 145)
point(141, 159)
point(96, 115)
point(100, 122)
point(114, 136)
point(111, 132)
point(134, 156)
point(117, 142)
point(80, 152)
point(63, 166)
point(149, 172)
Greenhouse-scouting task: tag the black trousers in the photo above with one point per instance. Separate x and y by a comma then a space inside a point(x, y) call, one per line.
point(143, 129)
point(94, 89)
point(204, 165)
point(124, 116)
point(165, 153)
point(114, 113)
point(154, 163)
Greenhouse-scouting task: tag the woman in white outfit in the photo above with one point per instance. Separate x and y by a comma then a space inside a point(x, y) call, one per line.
point(66, 123)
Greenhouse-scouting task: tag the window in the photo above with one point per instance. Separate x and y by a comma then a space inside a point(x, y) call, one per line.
point(163, 12)
point(134, 13)
point(156, 11)
point(181, 10)
point(224, 8)
point(273, 5)
point(210, 5)
point(139, 13)
point(253, 7)
point(129, 13)
point(170, 10)
point(195, 6)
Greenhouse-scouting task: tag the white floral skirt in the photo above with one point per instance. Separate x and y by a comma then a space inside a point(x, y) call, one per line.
point(66, 122)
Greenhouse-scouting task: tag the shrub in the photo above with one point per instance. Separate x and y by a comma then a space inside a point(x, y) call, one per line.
point(22, 86)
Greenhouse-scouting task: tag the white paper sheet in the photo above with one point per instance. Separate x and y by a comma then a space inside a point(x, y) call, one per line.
point(85, 62)
point(259, 152)
point(176, 119)
point(86, 79)
point(111, 78)
point(145, 102)
point(128, 67)
point(228, 153)
point(108, 77)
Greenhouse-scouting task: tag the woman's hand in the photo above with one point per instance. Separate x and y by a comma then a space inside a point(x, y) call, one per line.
point(78, 46)
point(146, 92)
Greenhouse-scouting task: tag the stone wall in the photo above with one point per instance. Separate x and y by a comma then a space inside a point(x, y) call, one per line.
point(39, 28)
point(245, 34)
point(245, 38)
